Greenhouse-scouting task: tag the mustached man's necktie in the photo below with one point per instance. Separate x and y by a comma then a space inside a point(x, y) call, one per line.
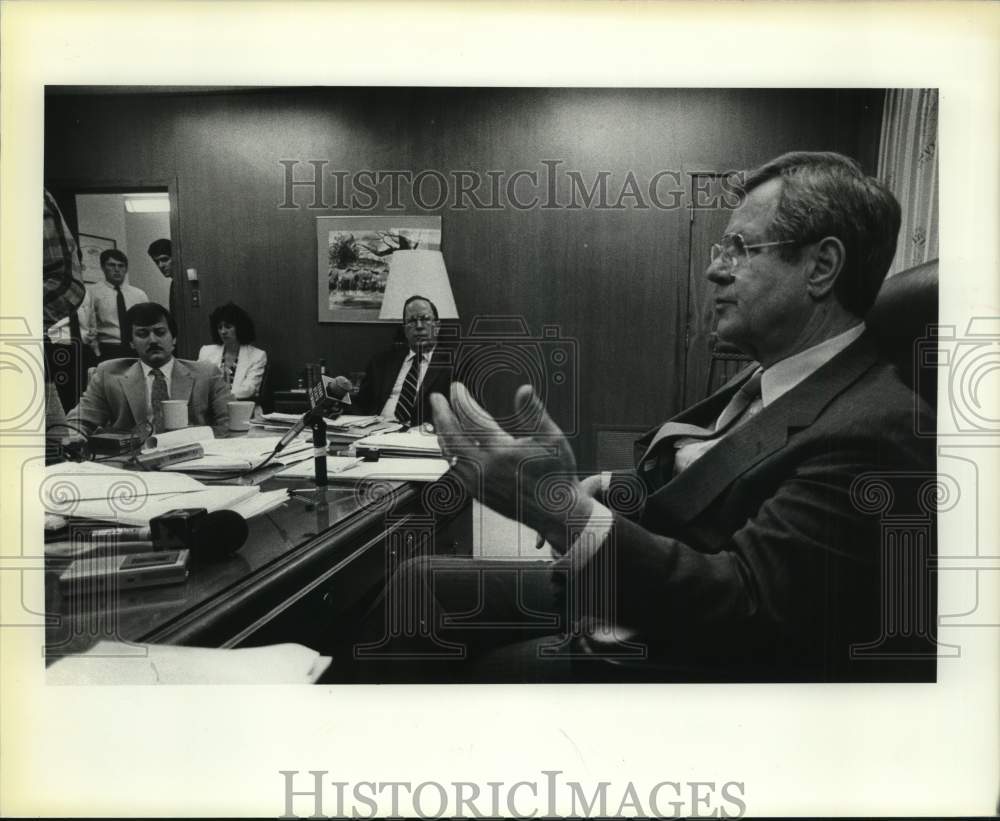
point(408, 393)
point(158, 394)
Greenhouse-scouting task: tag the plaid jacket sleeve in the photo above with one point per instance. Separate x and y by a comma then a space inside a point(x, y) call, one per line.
point(62, 281)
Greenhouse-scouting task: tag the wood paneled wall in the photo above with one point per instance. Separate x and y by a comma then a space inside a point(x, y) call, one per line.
point(614, 282)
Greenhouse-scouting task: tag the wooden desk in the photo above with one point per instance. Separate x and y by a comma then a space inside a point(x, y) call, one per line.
point(304, 565)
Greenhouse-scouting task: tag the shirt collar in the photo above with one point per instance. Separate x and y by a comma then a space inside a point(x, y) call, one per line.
point(167, 370)
point(782, 376)
point(425, 354)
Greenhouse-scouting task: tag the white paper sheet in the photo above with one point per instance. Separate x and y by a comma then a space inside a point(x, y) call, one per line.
point(409, 469)
point(110, 662)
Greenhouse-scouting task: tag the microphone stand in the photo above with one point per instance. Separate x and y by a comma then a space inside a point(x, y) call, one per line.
point(319, 446)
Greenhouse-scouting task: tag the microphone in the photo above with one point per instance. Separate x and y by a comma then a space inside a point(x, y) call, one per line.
point(336, 390)
point(211, 536)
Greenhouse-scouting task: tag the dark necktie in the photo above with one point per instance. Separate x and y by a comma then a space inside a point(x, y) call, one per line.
point(408, 393)
point(157, 395)
point(123, 328)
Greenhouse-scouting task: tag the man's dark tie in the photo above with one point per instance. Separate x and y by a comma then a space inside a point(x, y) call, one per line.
point(126, 335)
point(158, 394)
point(408, 393)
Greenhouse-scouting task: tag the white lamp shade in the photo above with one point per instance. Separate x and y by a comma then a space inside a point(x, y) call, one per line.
point(417, 272)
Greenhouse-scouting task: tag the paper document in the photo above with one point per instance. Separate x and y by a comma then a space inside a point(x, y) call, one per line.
point(414, 442)
point(110, 662)
point(182, 436)
point(408, 469)
point(243, 453)
point(70, 482)
point(126, 509)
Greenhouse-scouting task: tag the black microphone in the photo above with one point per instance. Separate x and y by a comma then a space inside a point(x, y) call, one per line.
point(207, 535)
point(337, 390)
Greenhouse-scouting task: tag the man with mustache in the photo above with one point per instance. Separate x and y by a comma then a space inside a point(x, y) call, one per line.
point(126, 394)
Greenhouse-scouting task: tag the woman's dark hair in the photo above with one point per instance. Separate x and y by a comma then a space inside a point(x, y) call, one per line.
point(233, 315)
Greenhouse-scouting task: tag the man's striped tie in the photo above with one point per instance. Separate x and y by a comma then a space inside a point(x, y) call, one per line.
point(408, 393)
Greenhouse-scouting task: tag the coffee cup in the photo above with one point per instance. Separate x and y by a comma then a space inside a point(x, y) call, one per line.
point(175, 414)
point(239, 415)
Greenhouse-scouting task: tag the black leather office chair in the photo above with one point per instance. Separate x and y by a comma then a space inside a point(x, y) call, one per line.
point(906, 312)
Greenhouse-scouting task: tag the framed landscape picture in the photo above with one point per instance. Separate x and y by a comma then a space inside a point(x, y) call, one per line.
point(353, 255)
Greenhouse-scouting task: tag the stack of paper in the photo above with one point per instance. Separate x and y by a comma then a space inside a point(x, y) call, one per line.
point(245, 453)
point(346, 469)
point(90, 490)
point(414, 442)
point(110, 662)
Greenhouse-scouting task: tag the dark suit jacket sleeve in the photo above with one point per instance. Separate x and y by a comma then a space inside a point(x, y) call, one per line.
point(769, 579)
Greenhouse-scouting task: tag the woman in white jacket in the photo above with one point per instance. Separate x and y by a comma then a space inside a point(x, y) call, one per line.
point(241, 363)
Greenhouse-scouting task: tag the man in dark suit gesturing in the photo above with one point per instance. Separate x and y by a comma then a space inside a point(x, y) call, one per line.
point(125, 394)
point(398, 383)
point(739, 547)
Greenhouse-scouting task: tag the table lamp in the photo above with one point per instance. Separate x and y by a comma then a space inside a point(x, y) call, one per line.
point(417, 272)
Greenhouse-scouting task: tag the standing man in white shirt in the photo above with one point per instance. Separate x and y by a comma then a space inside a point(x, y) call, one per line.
point(111, 300)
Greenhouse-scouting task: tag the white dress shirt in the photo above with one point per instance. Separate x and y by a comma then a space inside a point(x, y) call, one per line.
point(389, 409)
point(103, 321)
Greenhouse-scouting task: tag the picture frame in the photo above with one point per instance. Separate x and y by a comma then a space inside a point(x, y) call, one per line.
point(91, 247)
point(352, 260)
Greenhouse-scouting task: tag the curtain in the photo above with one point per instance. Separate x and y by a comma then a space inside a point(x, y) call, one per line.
point(908, 164)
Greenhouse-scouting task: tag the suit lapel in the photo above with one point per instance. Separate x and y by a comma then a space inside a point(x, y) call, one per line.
point(181, 381)
point(688, 494)
point(133, 385)
point(699, 415)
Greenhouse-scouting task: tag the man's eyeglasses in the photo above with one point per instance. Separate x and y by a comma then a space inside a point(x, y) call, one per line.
point(733, 250)
point(413, 321)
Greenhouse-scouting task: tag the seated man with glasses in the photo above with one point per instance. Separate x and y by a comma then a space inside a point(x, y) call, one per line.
point(748, 542)
point(398, 382)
